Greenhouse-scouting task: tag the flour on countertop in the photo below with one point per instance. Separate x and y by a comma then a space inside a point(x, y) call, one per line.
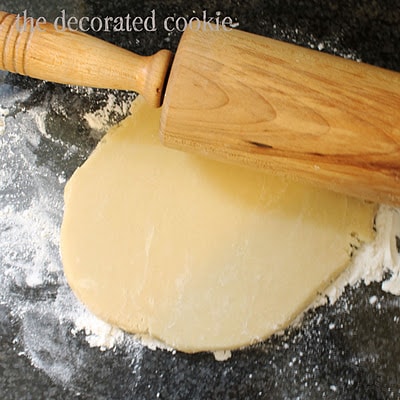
point(99, 120)
point(372, 261)
point(333, 44)
point(32, 283)
point(3, 114)
point(222, 355)
point(98, 333)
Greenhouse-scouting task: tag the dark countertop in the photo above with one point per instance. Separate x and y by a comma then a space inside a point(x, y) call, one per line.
point(350, 350)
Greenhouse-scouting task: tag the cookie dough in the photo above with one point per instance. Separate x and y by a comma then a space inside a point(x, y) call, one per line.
point(201, 255)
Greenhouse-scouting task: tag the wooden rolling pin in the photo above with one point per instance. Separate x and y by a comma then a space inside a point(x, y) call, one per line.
point(243, 98)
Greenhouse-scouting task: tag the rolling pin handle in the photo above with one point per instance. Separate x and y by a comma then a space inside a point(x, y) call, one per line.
point(48, 52)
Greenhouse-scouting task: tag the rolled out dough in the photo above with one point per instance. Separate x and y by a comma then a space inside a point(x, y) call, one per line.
point(202, 255)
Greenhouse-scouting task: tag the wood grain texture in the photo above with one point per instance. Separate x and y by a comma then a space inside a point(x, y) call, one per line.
point(293, 111)
point(242, 98)
point(76, 58)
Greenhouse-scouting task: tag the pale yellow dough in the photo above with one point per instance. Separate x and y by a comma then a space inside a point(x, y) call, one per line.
point(201, 255)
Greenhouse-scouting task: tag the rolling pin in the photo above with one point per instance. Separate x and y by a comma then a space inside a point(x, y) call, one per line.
point(242, 98)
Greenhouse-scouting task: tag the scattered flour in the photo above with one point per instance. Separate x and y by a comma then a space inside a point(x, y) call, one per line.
point(32, 283)
point(373, 261)
point(222, 355)
point(98, 333)
point(99, 121)
point(333, 44)
point(153, 344)
point(3, 114)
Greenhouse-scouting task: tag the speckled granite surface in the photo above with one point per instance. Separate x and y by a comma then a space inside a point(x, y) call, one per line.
point(347, 351)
